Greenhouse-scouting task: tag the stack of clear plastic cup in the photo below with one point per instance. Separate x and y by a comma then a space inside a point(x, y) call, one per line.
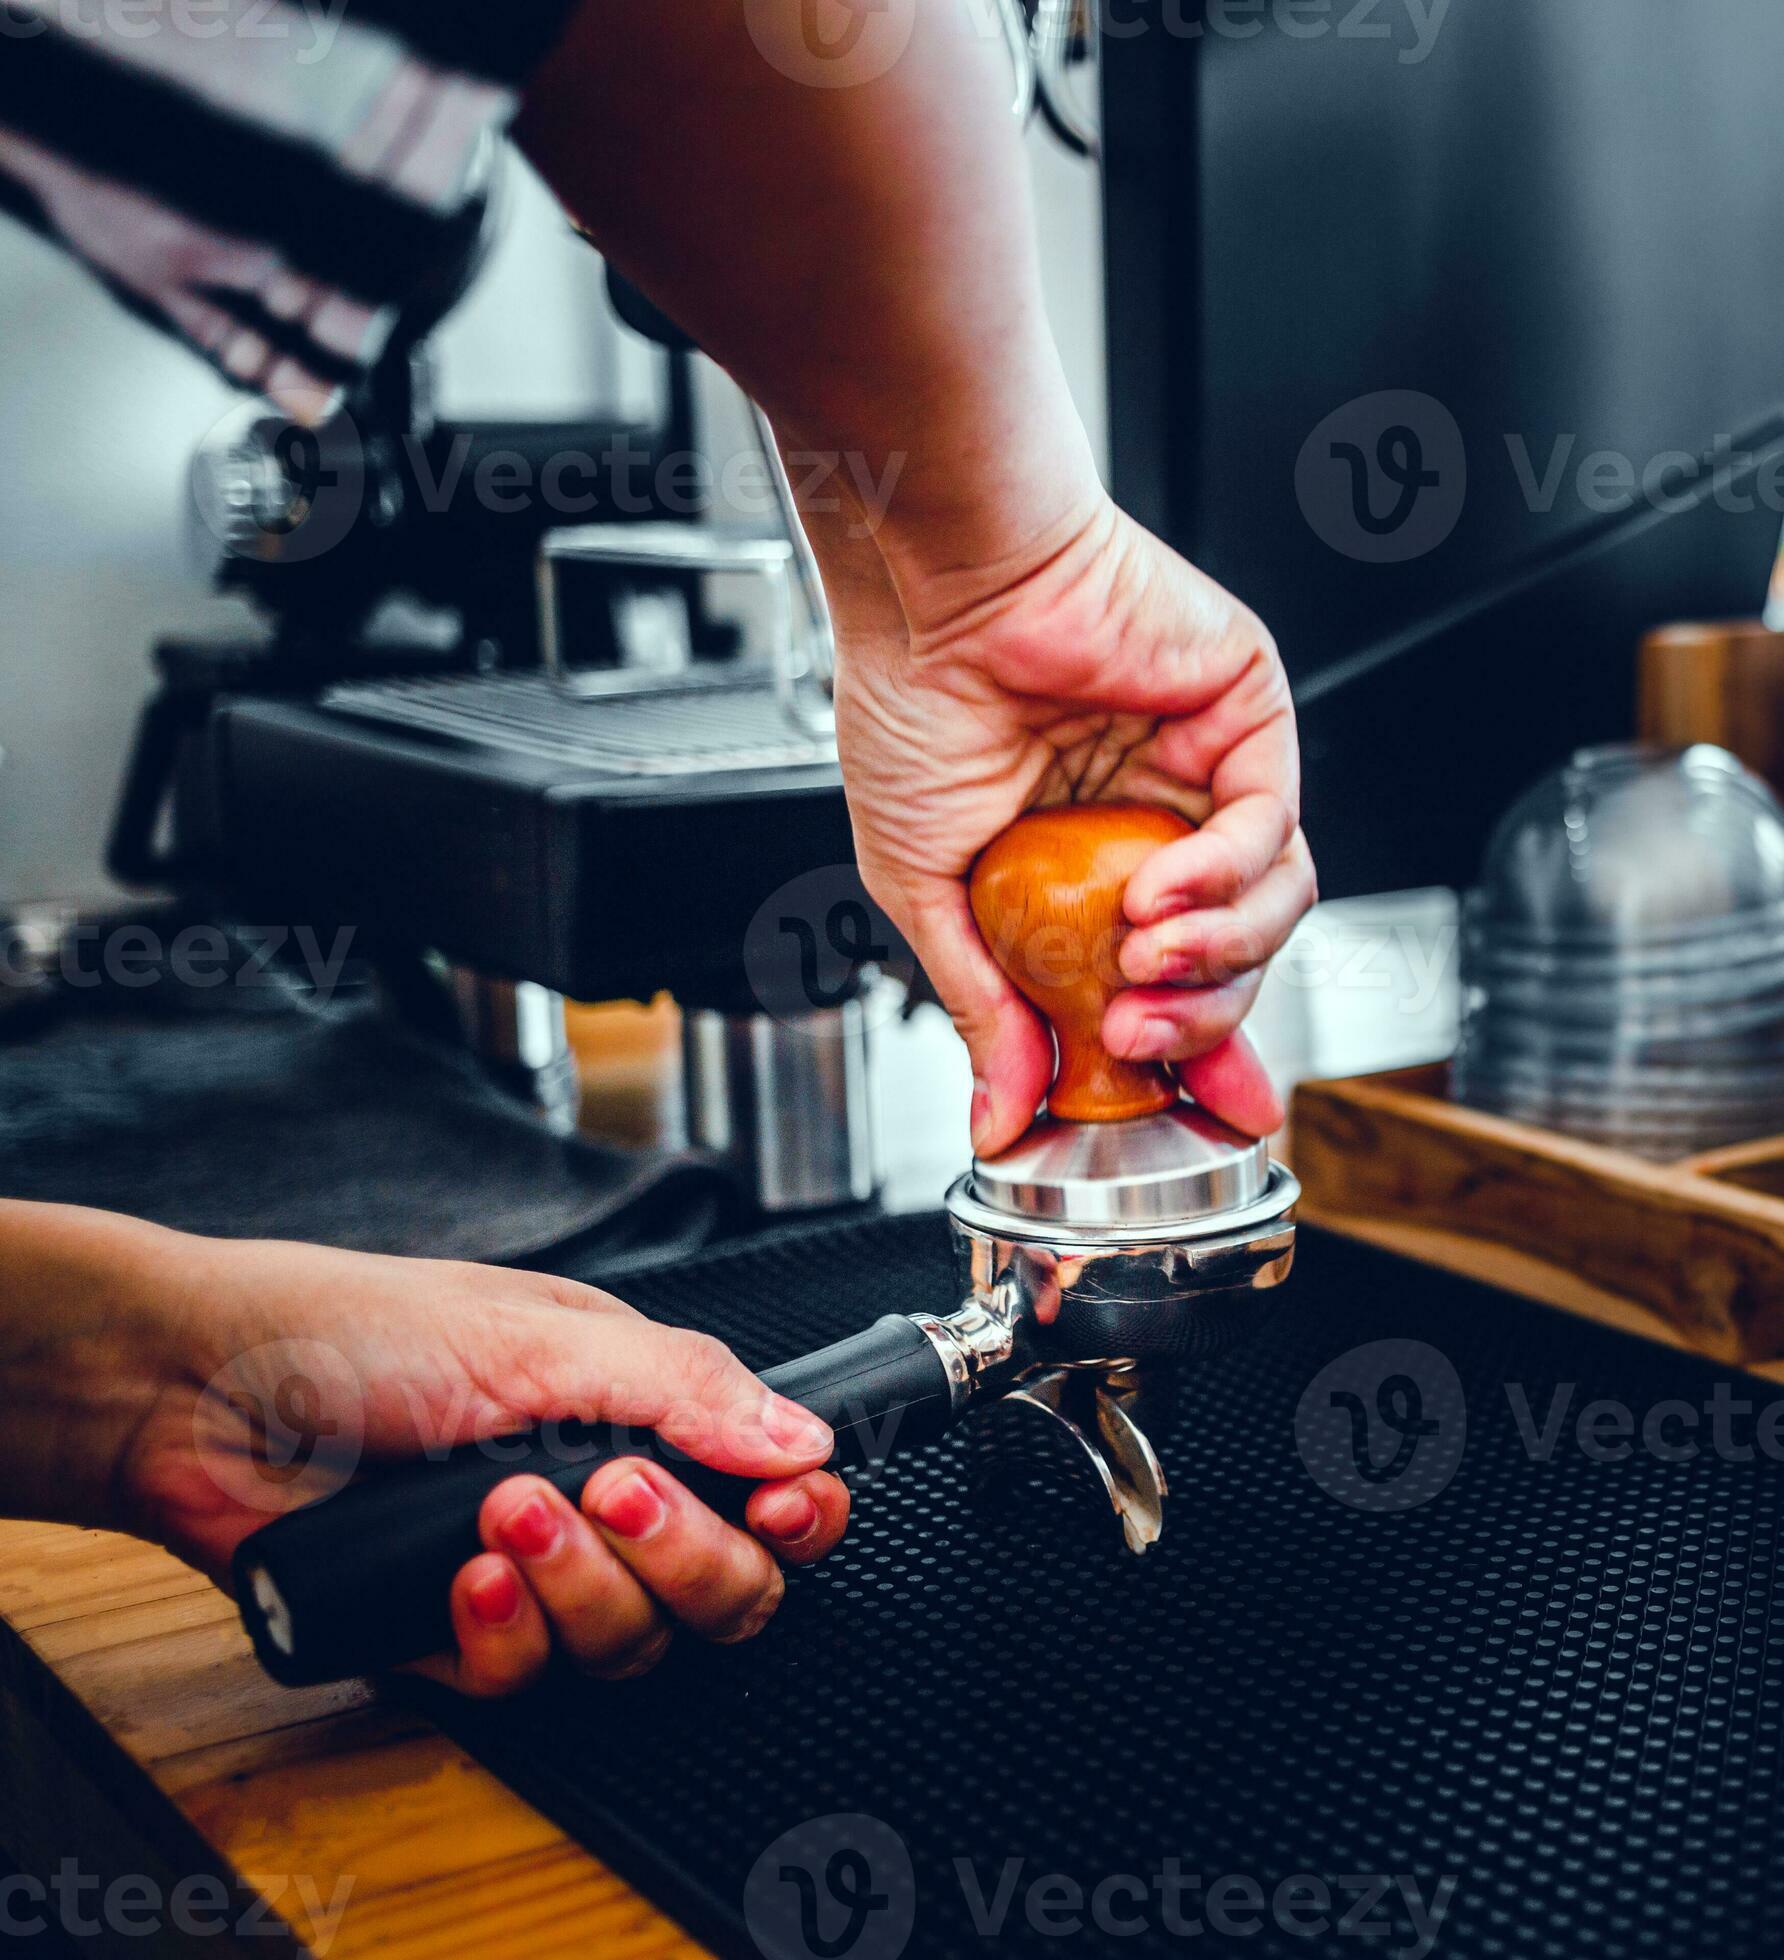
point(1623, 956)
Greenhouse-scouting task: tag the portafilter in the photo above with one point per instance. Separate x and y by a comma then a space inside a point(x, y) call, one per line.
point(1126, 1232)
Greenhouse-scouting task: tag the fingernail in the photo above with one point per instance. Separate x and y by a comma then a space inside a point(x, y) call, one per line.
point(632, 1508)
point(495, 1601)
point(980, 1119)
point(1155, 1040)
point(534, 1531)
point(790, 1516)
point(794, 1428)
point(1141, 968)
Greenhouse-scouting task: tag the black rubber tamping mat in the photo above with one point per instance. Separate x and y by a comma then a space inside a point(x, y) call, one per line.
point(1464, 1636)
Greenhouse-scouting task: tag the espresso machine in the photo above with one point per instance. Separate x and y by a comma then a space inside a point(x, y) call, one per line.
point(1127, 1236)
point(528, 759)
point(524, 758)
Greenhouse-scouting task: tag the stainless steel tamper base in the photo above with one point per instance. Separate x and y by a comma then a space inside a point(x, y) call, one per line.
point(1104, 1251)
point(1168, 1169)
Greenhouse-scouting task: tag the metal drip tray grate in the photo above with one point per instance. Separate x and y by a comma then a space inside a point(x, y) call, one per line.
point(684, 730)
point(1546, 1700)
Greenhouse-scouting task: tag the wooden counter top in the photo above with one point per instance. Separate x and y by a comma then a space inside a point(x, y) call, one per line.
point(141, 1738)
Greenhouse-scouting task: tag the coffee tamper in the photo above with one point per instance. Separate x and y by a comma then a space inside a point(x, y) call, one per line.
point(1126, 1233)
point(1128, 1230)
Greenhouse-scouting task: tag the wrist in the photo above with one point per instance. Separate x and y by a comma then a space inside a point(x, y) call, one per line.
point(947, 573)
point(970, 484)
point(993, 512)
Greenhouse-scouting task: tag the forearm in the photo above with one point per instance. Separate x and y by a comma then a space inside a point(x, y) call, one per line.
point(82, 1353)
point(860, 257)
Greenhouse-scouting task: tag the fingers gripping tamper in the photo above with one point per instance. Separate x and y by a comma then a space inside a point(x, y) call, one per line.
point(1128, 1232)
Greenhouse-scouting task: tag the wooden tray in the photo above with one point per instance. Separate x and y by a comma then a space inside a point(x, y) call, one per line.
point(1691, 1253)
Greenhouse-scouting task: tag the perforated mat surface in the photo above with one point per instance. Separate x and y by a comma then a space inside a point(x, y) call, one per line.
point(1421, 1665)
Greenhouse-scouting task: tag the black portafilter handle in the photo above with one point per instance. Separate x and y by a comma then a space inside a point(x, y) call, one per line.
point(358, 1583)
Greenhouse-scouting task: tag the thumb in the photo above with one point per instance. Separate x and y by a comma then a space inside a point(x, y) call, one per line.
point(698, 1397)
point(1010, 1045)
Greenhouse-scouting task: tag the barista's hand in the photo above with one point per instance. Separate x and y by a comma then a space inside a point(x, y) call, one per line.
point(1097, 665)
point(427, 1353)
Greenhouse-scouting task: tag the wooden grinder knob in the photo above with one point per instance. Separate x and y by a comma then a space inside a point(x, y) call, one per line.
point(1047, 897)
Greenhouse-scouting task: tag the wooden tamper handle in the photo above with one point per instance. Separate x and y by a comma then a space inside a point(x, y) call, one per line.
point(1047, 897)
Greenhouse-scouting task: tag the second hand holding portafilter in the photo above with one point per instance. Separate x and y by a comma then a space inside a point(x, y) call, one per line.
point(1125, 1231)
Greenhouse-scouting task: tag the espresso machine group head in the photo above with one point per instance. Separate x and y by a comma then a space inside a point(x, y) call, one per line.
point(1125, 1234)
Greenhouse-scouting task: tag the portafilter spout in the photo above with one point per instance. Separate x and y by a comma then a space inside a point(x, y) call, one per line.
point(1125, 1232)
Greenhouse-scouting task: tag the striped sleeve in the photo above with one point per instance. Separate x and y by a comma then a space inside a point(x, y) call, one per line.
point(268, 179)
